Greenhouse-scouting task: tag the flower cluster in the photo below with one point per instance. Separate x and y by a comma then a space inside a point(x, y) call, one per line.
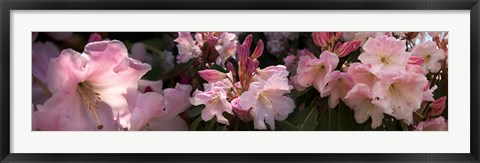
point(227, 81)
point(250, 92)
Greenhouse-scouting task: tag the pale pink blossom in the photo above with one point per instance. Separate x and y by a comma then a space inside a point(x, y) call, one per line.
point(428, 93)
point(267, 72)
point(211, 75)
point(176, 102)
point(401, 92)
point(385, 54)
point(438, 106)
point(267, 102)
point(430, 54)
point(143, 107)
point(360, 98)
point(215, 101)
point(361, 73)
point(187, 47)
point(337, 88)
point(294, 82)
point(41, 55)
point(313, 71)
point(88, 88)
point(435, 124)
point(226, 47)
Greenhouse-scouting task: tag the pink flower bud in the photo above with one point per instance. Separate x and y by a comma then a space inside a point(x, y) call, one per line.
point(211, 75)
point(230, 68)
point(415, 60)
point(346, 48)
point(248, 41)
point(435, 124)
point(320, 38)
point(258, 50)
point(438, 106)
point(94, 37)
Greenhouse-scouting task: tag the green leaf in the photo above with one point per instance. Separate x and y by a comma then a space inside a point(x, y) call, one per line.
point(210, 125)
point(328, 121)
point(195, 111)
point(346, 118)
point(285, 126)
point(219, 68)
point(404, 126)
point(306, 119)
point(195, 123)
point(222, 128)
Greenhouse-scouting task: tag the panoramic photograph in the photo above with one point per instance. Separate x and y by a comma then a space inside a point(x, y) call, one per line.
point(240, 81)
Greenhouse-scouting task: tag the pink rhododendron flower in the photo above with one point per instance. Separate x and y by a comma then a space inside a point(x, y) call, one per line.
point(211, 75)
point(269, 71)
point(428, 93)
point(215, 101)
point(226, 47)
point(313, 71)
point(187, 48)
point(41, 55)
point(143, 107)
point(364, 36)
point(87, 88)
point(438, 106)
point(294, 82)
point(385, 54)
point(176, 102)
point(360, 98)
point(337, 88)
point(436, 124)
point(266, 101)
point(430, 54)
point(361, 73)
point(401, 92)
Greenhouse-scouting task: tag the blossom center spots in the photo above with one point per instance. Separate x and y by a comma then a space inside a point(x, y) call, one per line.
point(91, 99)
point(214, 99)
point(320, 67)
point(384, 59)
point(265, 100)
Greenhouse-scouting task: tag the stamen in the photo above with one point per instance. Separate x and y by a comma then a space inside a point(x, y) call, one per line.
point(91, 100)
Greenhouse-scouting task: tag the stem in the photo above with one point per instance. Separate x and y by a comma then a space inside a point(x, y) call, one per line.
point(153, 49)
point(43, 86)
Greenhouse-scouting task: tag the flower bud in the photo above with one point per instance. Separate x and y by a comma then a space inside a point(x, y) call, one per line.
point(212, 75)
point(415, 60)
point(258, 50)
point(438, 106)
point(346, 48)
point(248, 41)
point(94, 37)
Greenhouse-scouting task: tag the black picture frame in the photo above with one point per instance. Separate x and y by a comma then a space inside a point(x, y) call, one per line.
point(9, 5)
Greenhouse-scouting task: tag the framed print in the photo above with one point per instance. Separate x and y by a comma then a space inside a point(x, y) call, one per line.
point(191, 81)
